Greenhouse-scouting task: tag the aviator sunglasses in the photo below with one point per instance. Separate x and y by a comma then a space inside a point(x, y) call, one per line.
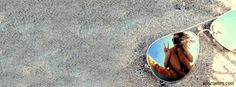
point(172, 57)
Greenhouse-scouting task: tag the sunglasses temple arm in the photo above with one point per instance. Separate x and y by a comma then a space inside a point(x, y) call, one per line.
point(201, 23)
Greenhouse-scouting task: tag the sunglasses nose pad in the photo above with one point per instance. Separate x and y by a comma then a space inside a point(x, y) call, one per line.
point(224, 30)
point(172, 62)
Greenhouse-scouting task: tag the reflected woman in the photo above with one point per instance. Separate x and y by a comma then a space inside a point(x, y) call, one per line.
point(178, 58)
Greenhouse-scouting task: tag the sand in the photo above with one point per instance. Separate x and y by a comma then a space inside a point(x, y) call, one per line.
point(101, 43)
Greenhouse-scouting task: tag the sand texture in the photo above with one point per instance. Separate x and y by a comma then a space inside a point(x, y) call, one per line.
point(102, 43)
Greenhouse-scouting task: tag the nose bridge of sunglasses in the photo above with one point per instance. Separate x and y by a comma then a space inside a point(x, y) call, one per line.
point(223, 30)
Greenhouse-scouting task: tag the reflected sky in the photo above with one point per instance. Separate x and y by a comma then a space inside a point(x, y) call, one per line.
point(156, 49)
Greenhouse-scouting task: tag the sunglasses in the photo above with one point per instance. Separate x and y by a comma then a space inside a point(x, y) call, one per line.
point(172, 57)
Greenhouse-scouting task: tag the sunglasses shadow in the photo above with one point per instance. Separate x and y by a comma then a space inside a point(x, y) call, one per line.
point(223, 64)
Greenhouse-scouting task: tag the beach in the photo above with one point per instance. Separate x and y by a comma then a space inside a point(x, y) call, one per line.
point(102, 43)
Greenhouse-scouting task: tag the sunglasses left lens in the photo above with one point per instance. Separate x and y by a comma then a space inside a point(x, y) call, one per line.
point(172, 57)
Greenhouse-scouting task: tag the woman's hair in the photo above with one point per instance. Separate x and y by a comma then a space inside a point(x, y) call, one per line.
point(181, 36)
point(177, 38)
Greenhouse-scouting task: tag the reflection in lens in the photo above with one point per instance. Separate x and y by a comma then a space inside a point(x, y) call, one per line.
point(173, 56)
point(224, 30)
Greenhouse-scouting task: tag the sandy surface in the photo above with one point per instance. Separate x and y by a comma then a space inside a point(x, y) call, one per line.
point(101, 43)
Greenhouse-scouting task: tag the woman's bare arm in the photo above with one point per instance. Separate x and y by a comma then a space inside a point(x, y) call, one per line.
point(167, 58)
point(188, 54)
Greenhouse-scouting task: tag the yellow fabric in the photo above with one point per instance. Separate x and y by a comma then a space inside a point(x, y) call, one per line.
point(161, 70)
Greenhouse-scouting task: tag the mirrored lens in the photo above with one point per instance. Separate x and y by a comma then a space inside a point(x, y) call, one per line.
point(172, 57)
point(224, 30)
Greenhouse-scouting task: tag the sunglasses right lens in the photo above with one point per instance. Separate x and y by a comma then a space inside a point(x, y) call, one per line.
point(224, 30)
